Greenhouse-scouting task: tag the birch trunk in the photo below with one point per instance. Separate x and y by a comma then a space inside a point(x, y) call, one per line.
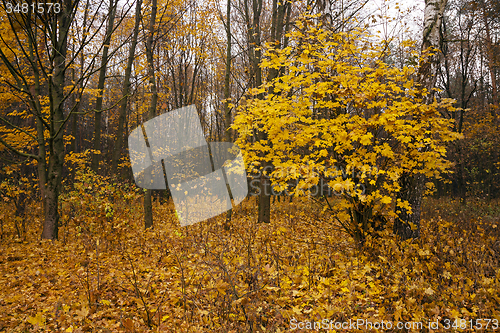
point(407, 224)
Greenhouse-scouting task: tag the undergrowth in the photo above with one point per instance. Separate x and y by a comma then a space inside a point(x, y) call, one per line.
point(107, 274)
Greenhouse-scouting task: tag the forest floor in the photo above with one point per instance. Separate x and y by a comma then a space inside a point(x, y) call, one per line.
point(106, 274)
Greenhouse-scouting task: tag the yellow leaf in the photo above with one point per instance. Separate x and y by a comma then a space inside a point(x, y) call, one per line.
point(366, 139)
point(386, 200)
point(455, 313)
point(128, 324)
point(81, 314)
point(222, 287)
point(39, 320)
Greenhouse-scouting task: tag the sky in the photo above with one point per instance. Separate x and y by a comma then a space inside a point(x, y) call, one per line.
point(407, 17)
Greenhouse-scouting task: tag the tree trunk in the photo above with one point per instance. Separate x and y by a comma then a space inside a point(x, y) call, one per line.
point(255, 56)
point(254, 40)
point(100, 87)
point(51, 223)
point(278, 30)
point(74, 116)
point(406, 224)
point(56, 143)
point(40, 130)
point(227, 109)
point(491, 61)
point(125, 92)
point(148, 209)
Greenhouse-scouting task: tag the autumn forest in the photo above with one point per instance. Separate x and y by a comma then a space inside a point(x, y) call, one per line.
point(249, 166)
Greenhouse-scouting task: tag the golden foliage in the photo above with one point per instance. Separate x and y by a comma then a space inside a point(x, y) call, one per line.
point(344, 115)
point(107, 274)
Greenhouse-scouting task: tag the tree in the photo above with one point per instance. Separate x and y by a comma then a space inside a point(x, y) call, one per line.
point(342, 117)
point(45, 60)
point(491, 58)
point(227, 93)
point(34, 52)
point(100, 86)
point(126, 91)
point(456, 78)
point(407, 221)
point(148, 209)
point(227, 76)
point(280, 22)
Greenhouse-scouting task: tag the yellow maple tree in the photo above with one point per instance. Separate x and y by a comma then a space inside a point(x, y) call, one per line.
point(339, 115)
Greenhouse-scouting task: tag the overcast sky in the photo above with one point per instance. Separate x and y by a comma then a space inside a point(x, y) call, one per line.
point(407, 16)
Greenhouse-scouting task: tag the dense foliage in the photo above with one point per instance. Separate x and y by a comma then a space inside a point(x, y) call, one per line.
point(342, 121)
point(351, 109)
point(107, 274)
